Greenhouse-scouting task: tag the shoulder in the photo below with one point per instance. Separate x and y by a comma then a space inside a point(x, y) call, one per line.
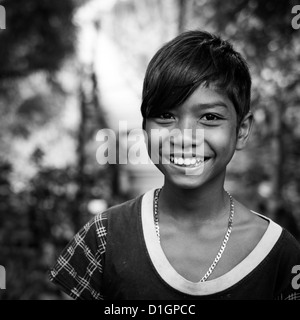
point(249, 227)
point(119, 214)
point(254, 227)
point(95, 230)
point(247, 217)
point(124, 210)
point(290, 247)
point(126, 206)
point(286, 257)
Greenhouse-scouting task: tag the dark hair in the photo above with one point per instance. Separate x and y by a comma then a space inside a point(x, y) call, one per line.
point(191, 59)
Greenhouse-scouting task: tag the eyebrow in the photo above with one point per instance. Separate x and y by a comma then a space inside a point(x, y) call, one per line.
point(210, 105)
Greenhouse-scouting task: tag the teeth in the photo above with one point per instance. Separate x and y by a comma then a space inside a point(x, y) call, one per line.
point(180, 161)
point(187, 162)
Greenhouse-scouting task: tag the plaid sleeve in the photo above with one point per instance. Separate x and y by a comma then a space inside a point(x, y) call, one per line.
point(79, 268)
point(289, 293)
point(291, 296)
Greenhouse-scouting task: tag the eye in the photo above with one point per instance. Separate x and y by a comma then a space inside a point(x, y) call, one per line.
point(210, 117)
point(166, 116)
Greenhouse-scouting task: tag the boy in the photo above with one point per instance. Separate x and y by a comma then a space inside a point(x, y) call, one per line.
point(138, 250)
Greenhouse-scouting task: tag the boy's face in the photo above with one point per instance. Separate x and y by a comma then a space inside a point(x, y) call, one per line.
point(192, 160)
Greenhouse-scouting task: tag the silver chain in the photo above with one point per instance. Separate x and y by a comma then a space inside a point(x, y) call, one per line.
point(224, 243)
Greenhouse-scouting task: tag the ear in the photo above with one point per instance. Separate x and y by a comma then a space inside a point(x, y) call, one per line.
point(244, 131)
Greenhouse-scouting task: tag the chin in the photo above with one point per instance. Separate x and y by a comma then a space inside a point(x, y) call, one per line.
point(187, 182)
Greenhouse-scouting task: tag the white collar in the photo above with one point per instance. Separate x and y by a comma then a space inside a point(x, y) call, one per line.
point(175, 280)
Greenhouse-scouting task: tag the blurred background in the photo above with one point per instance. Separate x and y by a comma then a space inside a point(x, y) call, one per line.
point(71, 68)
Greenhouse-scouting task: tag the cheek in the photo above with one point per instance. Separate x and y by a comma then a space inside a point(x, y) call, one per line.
point(152, 145)
point(157, 139)
point(222, 141)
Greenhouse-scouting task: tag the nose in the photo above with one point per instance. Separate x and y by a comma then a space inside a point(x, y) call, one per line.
point(187, 136)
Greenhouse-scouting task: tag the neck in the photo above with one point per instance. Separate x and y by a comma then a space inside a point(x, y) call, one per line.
point(202, 204)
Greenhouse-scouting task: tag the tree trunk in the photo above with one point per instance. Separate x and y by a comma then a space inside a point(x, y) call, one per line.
point(278, 152)
point(185, 14)
point(81, 160)
point(278, 209)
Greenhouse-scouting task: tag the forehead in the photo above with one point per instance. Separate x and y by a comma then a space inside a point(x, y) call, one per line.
point(208, 97)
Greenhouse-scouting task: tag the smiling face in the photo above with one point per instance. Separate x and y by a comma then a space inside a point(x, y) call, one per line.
point(214, 114)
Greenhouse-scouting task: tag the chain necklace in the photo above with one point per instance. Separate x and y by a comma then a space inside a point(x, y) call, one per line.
point(224, 243)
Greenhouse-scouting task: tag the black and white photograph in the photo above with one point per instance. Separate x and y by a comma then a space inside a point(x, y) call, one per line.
point(150, 152)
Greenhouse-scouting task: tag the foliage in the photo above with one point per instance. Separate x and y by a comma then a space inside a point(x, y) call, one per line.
point(37, 222)
point(39, 36)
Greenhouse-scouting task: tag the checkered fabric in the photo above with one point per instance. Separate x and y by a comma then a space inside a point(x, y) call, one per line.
point(85, 251)
point(292, 296)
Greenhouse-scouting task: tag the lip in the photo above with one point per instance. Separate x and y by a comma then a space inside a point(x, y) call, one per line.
point(188, 171)
point(187, 161)
point(197, 165)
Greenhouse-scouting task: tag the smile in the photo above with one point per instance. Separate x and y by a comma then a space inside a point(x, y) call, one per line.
point(187, 162)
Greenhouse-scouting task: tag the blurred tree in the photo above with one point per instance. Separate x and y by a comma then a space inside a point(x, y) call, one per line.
point(92, 119)
point(185, 9)
point(39, 35)
point(144, 25)
point(37, 221)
